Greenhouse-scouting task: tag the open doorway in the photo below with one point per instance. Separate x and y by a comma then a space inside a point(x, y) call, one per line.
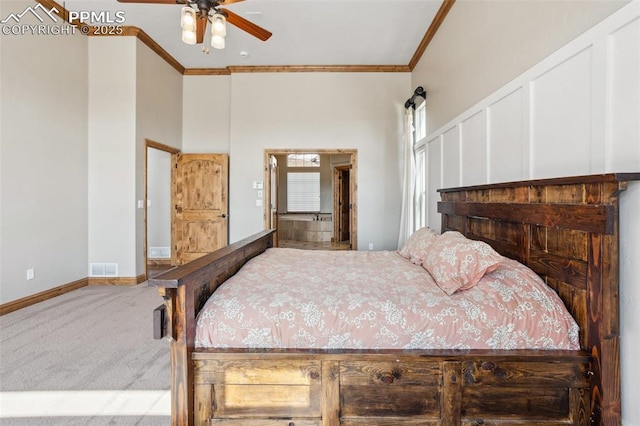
point(300, 199)
point(185, 207)
point(158, 213)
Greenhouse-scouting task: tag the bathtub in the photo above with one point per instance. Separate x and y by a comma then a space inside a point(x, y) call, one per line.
point(306, 216)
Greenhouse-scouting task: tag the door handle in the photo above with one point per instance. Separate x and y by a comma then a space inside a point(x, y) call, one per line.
point(223, 215)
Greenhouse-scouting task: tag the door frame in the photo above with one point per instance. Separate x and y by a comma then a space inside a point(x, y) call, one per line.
point(337, 189)
point(353, 186)
point(273, 192)
point(174, 158)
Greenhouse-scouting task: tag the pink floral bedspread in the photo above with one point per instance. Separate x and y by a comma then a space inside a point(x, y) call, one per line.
point(288, 298)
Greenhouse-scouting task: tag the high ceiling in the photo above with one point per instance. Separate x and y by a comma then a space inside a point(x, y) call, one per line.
point(305, 32)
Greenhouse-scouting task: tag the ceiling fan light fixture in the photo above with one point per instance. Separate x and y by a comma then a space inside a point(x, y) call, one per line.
point(219, 25)
point(188, 24)
point(218, 30)
point(217, 41)
point(188, 18)
point(189, 37)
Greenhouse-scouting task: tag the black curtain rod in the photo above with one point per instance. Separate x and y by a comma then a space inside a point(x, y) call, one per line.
point(411, 102)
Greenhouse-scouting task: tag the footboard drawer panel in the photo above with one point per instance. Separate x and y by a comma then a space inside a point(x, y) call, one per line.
point(389, 421)
point(259, 389)
point(390, 389)
point(500, 391)
point(524, 403)
point(526, 374)
point(389, 402)
point(267, 400)
point(265, 422)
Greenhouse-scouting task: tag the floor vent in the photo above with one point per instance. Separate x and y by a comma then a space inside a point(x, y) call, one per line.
point(104, 270)
point(159, 252)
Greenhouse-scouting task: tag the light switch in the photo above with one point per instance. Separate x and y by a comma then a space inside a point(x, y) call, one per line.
point(259, 194)
point(257, 184)
point(258, 203)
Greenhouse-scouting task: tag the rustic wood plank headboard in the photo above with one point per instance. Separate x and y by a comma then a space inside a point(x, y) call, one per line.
point(566, 230)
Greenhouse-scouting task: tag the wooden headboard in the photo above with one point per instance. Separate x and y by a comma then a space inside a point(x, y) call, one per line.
point(566, 230)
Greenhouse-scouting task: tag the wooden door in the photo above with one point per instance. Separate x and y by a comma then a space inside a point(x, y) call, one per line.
point(342, 204)
point(201, 205)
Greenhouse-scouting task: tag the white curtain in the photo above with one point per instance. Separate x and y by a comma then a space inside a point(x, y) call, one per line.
point(408, 179)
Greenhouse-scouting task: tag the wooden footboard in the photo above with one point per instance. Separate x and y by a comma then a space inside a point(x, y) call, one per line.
point(564, 229)
point(391, 388)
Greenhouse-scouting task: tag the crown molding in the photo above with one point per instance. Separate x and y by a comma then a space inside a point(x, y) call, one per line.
point(151, 43)
point(64, 14)
point(127, 31)
point(206, 71)
point(319, 68)
point(431, 32)
point(295, 68)
point(131, 31)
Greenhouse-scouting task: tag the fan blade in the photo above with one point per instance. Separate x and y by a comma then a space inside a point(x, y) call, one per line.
point(201, 25)
point(247, 26)
point(153, 1)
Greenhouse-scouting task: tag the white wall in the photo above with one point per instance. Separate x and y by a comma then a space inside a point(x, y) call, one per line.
point(482, 45)
point(75, 111)
point(112, 152)
point(159, 196)
point(575, 112)
point(630, 303)
point(133, 95)
point(303, 110)
point(43, 160)
point(159, 118)
point(206, 114)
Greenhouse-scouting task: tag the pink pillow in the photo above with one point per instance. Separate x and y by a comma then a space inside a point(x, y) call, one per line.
point(415, 249)
point(458, 263)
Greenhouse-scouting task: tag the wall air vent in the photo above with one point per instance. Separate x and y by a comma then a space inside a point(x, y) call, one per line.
point(103, 270)
point(159, 253)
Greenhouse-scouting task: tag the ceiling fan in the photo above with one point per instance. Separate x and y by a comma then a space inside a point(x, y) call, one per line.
point(197, 13)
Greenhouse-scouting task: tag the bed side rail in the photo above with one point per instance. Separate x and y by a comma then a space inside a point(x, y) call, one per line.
point(198, 279)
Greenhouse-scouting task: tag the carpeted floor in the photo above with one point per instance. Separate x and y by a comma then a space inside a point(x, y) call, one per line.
point(97, 339)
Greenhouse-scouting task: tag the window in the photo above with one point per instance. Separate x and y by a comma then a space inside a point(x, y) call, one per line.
point(420, 157)
point(303, 160)
point(303, 191)
point(420, 191)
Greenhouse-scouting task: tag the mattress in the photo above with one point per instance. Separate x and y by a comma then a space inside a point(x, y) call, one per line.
point(289, 298)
